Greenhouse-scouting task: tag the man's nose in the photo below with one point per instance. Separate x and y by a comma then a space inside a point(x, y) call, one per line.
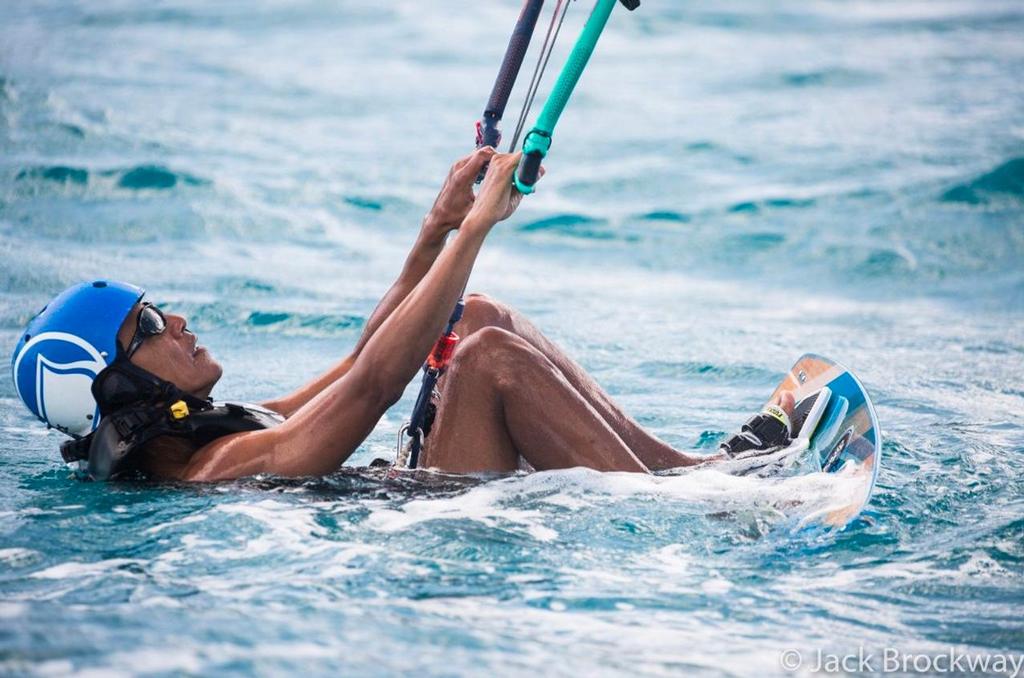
point(176, 324)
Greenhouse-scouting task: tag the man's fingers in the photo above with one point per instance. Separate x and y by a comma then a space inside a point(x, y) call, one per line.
point(481, 157)
point(476, 160)
point(506, 161)
point(462, 162)
point(503, 165)
point(473, 158)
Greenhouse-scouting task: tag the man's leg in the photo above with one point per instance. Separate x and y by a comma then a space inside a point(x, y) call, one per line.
point(503, 398)
point(482, 311)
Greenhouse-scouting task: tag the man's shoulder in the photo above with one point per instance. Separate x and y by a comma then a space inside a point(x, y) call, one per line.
point(232, 456)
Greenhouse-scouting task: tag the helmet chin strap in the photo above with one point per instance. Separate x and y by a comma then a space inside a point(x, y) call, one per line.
point(125, 384)
point(136, 407)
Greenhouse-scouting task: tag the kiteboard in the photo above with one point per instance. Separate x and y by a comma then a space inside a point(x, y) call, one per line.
point(836, 432)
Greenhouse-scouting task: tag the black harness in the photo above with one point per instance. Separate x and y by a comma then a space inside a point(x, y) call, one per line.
point(137, 407)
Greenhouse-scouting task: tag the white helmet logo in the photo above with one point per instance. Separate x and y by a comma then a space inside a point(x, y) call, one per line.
point(63, 389)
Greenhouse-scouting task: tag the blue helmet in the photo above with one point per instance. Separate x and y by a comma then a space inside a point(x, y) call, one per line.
point(65, 346)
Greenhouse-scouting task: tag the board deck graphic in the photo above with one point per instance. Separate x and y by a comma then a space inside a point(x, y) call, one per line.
point(848, 432)
point(840, 433)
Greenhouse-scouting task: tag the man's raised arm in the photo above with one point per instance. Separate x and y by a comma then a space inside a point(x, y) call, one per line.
point(451, 206)
point(323, 433)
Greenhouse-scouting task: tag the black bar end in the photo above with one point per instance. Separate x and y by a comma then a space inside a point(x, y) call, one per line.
point(529, 170)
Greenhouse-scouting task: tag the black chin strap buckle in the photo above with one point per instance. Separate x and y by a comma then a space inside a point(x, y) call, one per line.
point(76, 449)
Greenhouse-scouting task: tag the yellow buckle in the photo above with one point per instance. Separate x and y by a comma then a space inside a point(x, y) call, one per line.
point(179, 410)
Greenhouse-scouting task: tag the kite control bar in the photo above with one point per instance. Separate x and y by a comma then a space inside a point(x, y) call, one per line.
point(488, 133)
point(535, 148)
point(538, 140)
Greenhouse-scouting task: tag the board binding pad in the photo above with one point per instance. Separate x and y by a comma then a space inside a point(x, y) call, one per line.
point(836, 426)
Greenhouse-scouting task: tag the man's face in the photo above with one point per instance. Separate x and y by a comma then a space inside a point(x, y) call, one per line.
point(173, 355)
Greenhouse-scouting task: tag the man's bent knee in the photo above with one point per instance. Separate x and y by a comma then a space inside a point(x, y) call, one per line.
point(490, 348)
point(502, 358)
point(482, 311)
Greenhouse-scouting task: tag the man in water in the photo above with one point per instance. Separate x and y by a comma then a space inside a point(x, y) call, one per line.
point(510, 396)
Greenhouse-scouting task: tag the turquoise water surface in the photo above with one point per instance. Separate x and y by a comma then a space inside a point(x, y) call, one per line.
point(735, 184)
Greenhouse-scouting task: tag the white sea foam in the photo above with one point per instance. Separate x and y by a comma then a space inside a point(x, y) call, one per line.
point(50, 667)
point(799, 500)
point(159, 601)
point(285, 110)
point(481, 504)
point(981, 565)
point(18, 557)
point(74, 570)
point(283, 527)
point(716, 586)
point(201, 658)
point(187, 520)
point(12, 610)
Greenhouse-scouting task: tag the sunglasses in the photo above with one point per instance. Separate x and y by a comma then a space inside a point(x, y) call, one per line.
point(149, 323)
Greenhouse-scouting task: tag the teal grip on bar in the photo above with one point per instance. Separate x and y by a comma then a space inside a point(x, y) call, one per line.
point(535, 149)
point(539, 138)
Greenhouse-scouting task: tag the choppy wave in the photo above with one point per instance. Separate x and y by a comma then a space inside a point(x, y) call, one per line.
point(57, 174)
point(827, 77)
point(238, 318)
point(731, 186)
point(751, 374)
point(666, 215)
point(1006, 180)
point(139, 178)
point(754, 206)
point(575, 225)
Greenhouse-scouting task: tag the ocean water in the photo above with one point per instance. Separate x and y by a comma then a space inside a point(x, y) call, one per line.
point(735, 184)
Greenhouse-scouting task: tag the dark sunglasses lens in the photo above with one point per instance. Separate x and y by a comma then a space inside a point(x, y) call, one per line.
point(151, 321)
